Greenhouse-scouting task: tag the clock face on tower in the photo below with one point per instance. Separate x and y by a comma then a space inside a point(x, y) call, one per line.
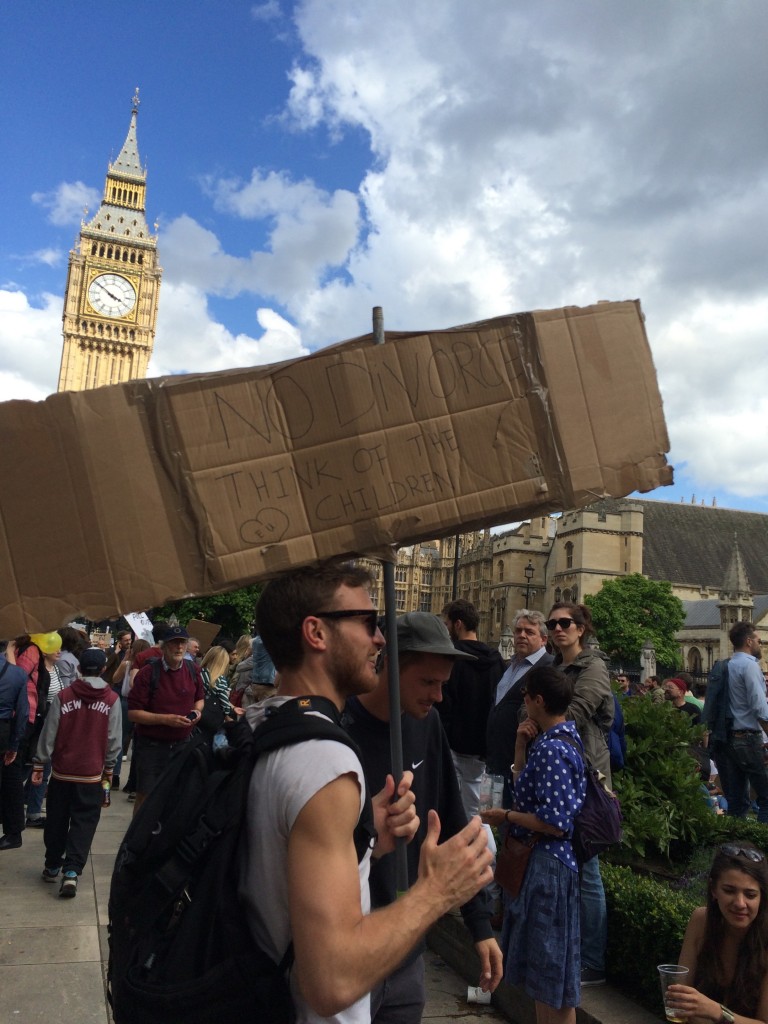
point(111, 295)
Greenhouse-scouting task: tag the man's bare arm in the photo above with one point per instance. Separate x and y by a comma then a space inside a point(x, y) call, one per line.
point(340, 952)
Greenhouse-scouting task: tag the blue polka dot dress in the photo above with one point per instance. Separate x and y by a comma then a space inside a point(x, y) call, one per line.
point(541, 932)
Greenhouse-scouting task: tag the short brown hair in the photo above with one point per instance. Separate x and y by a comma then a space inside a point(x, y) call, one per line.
point(740, 633)
point(287, 600)
point(552, 685)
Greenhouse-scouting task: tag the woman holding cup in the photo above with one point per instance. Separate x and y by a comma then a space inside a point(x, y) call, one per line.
point(726, 944)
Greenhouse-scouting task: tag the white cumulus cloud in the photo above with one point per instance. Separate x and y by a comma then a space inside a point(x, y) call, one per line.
point(67, 203)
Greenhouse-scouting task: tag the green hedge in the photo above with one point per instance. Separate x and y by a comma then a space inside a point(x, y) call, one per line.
point(646, 924)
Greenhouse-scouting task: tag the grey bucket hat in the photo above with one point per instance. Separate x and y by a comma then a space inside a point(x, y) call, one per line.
point(425, 633)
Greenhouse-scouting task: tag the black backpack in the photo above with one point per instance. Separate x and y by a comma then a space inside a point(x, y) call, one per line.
point(180, 950)
point(598, 824)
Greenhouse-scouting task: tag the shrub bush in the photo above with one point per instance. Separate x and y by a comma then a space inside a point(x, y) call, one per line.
point(646, 924)
point(660, 791)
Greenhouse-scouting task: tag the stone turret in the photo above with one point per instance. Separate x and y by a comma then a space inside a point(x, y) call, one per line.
point(735, 602)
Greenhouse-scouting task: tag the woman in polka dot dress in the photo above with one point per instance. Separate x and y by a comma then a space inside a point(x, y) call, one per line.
point(540, 936)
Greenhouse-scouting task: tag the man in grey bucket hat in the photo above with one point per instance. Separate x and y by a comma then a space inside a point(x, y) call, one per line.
point(424, 633)
point(426, 656)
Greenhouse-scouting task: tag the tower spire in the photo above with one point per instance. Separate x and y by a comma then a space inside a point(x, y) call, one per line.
point(736, 582)
point(128, 164)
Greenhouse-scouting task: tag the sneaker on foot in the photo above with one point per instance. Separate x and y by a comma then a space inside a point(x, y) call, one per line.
point(69, 884)
point(116, 782)
point(589, 976)
point(36, 822)
point(131, 796)
point(50, 874)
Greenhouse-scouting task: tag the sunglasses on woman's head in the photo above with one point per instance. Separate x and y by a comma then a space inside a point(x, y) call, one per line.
point(371, 617)
point(731, 850)
point(562, 623)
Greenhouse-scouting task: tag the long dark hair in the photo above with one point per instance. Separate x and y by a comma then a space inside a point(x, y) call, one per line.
point(740, 993)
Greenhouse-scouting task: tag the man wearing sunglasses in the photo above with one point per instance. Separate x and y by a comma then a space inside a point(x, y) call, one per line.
point(426, 656)
point(301, 881)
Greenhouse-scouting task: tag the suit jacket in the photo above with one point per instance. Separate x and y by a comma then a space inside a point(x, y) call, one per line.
point(503, 720)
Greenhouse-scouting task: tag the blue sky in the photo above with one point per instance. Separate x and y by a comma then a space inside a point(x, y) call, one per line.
point(448, 160)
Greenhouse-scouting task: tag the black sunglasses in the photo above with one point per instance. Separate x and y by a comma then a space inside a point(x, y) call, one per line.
point(731, 850)
point(562, 623)
point(371, 617)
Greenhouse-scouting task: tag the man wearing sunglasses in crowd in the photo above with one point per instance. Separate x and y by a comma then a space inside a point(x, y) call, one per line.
point(301, 879)
point(426, 657)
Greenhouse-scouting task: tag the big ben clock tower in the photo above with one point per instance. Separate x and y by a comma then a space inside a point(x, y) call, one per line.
point(113, 282)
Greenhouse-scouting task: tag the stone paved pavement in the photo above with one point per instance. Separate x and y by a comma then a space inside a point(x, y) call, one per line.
point(52, 950)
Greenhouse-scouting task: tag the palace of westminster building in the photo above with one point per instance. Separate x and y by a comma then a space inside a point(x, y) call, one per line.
point(716, 559)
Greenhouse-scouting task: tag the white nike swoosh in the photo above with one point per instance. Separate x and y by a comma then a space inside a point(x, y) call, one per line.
point(416, 765)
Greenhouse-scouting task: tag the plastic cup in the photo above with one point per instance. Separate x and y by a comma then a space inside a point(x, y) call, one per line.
point(490, 791)
point(672, 974)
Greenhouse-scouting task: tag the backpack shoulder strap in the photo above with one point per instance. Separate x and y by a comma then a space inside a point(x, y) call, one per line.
point(299, 719)
point(578, 746)
point(154, 680)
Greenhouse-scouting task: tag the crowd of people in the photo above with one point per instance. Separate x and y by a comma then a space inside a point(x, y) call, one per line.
point(539, 722)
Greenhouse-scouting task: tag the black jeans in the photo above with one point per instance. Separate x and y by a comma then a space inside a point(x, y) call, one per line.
point(151, 757)
point(748, 769)
point(12, 796)
point(72, 813)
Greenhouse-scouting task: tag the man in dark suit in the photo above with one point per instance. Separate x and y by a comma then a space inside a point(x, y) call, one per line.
point(530, 635)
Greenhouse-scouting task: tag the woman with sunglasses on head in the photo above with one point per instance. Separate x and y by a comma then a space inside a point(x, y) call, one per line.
point(726, 943)
point(592, 709)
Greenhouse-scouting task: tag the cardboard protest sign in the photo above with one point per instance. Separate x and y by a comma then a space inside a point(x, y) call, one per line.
point(235, 476)
point(206, 632)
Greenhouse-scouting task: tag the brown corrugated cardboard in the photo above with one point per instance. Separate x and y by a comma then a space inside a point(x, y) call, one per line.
point(230, 477)
point(205, 632)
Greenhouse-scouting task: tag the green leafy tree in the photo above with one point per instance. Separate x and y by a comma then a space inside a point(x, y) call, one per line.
point(233, 611)
point(629, 610)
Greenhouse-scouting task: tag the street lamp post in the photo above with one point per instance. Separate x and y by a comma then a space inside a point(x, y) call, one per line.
point(528, 572)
